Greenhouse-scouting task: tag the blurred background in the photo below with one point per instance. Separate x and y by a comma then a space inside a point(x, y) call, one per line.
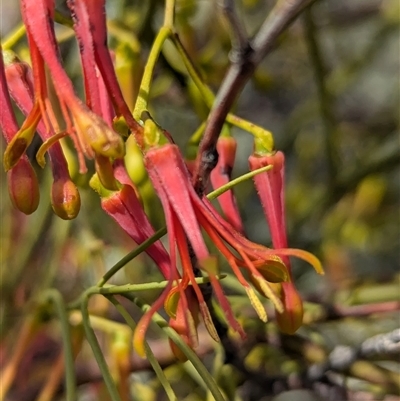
point(329, 93)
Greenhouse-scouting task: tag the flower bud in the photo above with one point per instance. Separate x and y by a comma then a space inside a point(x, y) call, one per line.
point(221, 175)
point(105, 172)
point(134, 162)
point(65, 199)
point(292, 317)
point(96, 134)
point(23, 186)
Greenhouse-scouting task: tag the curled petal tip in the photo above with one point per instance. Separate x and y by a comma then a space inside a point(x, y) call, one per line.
point(13, 153)
point(304, 255)
point(138, 342)
point(22, 139)
point(171, 302)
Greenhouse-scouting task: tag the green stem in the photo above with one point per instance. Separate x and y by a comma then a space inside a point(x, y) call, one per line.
point(209, 97)
point(169, 14)
point(219, 191)
point(97, 322)
point(63, 20)
point(56, 299)
point(192, 357)
point(194, 374)
point(189, 353)
point(121, 289)
point(20, 259)
point(205, 91)
point(14, 37)
point(196, 137)
point(149, 353)
point(144, 91)
point(126, 288)
point(131, 255)
point(97, 352)
point(60, 230)
point(207, 94)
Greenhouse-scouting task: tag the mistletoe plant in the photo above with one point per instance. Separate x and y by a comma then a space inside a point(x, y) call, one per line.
point(100, 127)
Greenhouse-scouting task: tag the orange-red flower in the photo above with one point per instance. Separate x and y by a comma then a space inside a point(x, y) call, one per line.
point(23, 186)
point(91, 31)
point(270, 188)
point(186, 215)
point(91, 135)
point(65, 198)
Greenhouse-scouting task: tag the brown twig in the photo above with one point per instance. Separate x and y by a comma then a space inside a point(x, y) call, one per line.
point(244, 61)
point(237, 31)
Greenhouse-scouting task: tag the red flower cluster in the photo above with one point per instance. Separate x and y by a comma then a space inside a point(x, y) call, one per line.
point(188, 217)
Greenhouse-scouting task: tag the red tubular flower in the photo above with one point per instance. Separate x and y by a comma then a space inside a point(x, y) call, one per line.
point(91, 30)
point(185, 215)
point(23, 186)
point(270, 188)
point(65, 198)
point(125, 208)
point(85, 39)
point(221, 175)
point(97, 98)
point(94, 136)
